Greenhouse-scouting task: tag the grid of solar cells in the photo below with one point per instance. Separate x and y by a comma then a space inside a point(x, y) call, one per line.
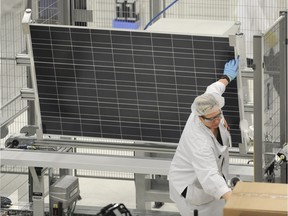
point(126, 84)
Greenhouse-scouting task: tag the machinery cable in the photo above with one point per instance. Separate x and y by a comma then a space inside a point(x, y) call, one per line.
point(157, 15)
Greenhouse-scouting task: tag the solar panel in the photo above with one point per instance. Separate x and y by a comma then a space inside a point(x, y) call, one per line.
point(123, 84)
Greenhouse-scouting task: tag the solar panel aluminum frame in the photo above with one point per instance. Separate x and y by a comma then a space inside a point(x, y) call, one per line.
point(40, 135)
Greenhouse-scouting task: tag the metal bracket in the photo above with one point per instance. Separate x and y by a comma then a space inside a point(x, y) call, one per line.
point(20, 142)
point(29, 130)
point(241, 50)
point(27, 94)
point(23, 59)
point(26, 20)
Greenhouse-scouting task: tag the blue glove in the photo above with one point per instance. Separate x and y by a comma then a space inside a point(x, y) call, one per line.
point(231, 68)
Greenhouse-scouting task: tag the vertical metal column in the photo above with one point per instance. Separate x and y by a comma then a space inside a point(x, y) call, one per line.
point(64, 12)
point(26, 29)
point(38, 191)
point(31, 111)
point(141, 185)
point(284, 93)
point(241, 51)
point(141, 182)
point(283, 80)
point(155, 8)
point(258, 46)
point(34, 5)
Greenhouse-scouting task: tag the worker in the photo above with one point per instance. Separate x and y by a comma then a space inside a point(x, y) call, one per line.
point(199, 169)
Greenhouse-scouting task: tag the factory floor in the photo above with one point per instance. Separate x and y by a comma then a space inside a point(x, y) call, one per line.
point(95, 193)
point(101, 192)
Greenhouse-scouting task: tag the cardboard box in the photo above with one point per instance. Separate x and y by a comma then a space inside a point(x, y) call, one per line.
point(258, 199)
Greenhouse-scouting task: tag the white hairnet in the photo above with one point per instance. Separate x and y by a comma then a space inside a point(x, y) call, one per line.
point(207, 103)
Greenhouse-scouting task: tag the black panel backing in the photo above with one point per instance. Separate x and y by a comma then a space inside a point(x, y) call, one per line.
point(126, 84)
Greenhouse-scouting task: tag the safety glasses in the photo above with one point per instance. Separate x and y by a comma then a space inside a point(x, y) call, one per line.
point(211, 119)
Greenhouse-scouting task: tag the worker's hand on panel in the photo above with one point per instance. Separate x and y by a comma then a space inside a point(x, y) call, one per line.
point(231, 69)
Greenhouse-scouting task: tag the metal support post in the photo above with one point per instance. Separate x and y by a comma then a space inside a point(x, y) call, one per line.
point(155, 8)
point(32, 78)
point(284, 173)
point(283, 80)
point(34, 5)
point(240, 50)
point(38, 190)
point(284, 93)
point(141, 186)
point(65, 12)
point(258, 108)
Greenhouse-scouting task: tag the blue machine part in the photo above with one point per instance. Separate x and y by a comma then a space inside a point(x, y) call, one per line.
point(125, 24)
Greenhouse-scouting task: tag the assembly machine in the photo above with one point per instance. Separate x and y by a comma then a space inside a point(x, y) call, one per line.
point(40, 150)
point(270, 103)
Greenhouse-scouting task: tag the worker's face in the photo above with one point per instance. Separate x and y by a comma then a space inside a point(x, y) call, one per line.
point(212, 120)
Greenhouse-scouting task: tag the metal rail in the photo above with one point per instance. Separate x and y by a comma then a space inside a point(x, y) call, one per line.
point(84, 161)
point(10, 101)
point(11, 119)
point(120, 145)
point(67, 160)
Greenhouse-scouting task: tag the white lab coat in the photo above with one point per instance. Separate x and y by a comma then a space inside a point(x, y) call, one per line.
point(199, 163)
